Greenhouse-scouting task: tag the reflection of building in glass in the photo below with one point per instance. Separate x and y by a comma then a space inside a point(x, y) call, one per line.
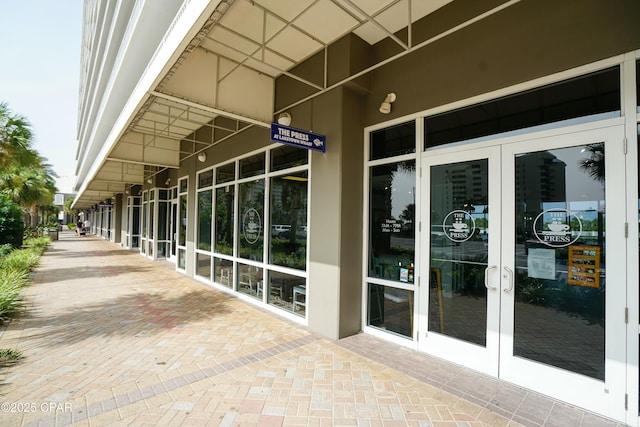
point(463, 187)
point(540, 178)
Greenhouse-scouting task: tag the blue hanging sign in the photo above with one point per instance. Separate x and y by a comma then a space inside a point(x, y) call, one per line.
point(297, 137)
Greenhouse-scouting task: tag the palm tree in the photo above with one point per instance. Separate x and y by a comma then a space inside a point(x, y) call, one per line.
point(15, 138)
point(593, 163)
point(25, 176)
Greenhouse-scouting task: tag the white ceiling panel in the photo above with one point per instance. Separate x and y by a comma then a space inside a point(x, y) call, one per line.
point(274, 60)
point(293, 44)
point(223, 50)
point(246, 19)
point(235, 39)
point(287, 9)
point(396, 18)
point(326, 30)
point(273, 26)
point(370, 7)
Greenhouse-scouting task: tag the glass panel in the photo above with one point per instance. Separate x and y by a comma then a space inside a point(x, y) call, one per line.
point(288, 292)
point(390, 309)
point(560, 258)
point(225, 173)
point(174, 228)
point(162, 250)
point(225, 204)
point(251, 220)
point(250, 280)
point(135, 242)
point(144, 220)
point(289, 220)
point(163, 194)
point(595, 93)
point(252, 166)
point(182, 259)
point(391, 218)
point(163, 220)
point(458, 250)
point(638, 86)
point(393, 141)
point(182, 228)
point(135, 226)
point(203, 265)
point(286, 157)
point(223, 272)
point(183, 185)
point(151, 219)
point(204, 219)
point(205, 179)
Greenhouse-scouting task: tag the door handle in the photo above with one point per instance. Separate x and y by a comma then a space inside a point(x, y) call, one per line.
point(486, 273)
point(508, 275)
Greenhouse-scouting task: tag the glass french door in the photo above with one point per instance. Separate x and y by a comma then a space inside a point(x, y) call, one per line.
point(517, 265)
point(173, 230)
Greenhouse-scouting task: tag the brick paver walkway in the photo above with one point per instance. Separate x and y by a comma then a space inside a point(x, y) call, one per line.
point(111, 338)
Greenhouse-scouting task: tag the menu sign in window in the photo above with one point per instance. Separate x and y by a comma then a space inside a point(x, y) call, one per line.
point(584, 266)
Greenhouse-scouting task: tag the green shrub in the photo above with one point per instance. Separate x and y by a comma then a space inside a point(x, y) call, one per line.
point(5, 249)
point(22, 259)
point(14, 273)
point(9, 355)
point(12, 280)
point(38, 244)
point(11, 222)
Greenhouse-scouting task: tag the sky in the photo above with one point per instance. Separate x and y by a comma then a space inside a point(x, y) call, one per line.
point(39, 75)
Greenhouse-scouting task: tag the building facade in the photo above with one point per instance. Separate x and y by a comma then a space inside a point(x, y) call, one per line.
point(457, 177)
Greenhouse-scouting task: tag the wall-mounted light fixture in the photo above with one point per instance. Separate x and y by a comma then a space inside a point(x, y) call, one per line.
point(168, 181)
point(284, 119)
point(385, 107)
point(149, 180)
point(202, 157)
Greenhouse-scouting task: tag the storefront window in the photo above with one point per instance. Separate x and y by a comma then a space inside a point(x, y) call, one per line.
point(595, 94)
point(135, 223)
point(151, 218)
point(390, 309)
point(204, 219)
point(182, 229)
point(225, 173)
point(252, 166)
point(287, 157)
point(393, 141)
point(250, 280)
point(391, 221)
point(288, 292)
point(205, 179)
point(223, 272)
point(203, 265)
point(240, 194)
point(251, 220)
point(289, 220)
point(638, 86)
point(225, 197)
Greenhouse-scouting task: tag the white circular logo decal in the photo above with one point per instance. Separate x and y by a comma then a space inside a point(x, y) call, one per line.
point(553, 228)
point(459, 226)
point(251, 226)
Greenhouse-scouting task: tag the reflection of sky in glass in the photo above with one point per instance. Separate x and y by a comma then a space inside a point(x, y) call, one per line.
point(579, 185)
point(402, 191)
